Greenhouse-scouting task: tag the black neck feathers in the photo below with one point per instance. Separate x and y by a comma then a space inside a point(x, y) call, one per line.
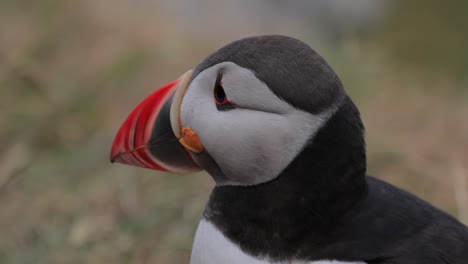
point(303, 208)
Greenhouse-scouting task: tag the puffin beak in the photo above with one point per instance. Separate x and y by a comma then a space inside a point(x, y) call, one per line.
point(151, 136)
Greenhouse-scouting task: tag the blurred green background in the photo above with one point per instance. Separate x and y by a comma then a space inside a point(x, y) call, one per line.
point(70, 72)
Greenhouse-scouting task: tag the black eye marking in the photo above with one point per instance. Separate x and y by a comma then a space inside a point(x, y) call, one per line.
point(220, 95)
point(221, 100)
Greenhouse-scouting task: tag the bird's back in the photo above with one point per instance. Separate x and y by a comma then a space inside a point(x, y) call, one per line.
point(394, 226)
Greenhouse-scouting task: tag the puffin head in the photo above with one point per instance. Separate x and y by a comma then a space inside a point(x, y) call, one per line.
point(243, 114)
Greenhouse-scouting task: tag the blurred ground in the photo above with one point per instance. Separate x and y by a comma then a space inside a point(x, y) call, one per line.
point(70, 71)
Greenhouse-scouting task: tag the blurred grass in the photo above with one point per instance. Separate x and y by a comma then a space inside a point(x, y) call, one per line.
point(428, 36)
point(70, 71)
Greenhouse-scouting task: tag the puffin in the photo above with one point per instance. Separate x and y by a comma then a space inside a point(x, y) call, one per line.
point(269, 120)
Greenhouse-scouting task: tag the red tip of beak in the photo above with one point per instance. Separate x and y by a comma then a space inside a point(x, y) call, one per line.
point(131, 142)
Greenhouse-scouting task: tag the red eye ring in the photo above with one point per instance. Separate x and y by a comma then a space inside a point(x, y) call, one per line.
point(220, 95)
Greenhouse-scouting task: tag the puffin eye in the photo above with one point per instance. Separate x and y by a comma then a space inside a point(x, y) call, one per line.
point(221, 100)
point(220, 95)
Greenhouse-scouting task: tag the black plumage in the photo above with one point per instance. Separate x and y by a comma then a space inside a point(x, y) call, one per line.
point(323, 206)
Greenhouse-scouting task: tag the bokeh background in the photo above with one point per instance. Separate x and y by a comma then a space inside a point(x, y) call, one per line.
point(70, 72)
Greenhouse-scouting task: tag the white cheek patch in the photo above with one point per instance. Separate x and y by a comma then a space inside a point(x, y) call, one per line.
point(255, 142)
point(246, 91)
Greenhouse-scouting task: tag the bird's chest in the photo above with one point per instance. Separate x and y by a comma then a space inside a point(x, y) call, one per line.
point(212, 247)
